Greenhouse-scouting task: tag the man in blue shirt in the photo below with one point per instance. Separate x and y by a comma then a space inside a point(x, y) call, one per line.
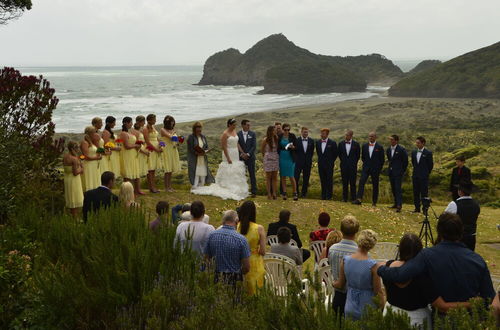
point(457, 273)
point(230, 250)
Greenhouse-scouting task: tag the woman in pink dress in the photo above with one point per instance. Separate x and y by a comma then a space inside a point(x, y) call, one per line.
point(269, 149)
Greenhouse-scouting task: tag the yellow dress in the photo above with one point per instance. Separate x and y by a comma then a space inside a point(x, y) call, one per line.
point(154, 160)
point(104, 162)
point(91, 177)
point(255, 277)
point(143, 159)
point(114, 160)
point(73, 191)
point(170, 155)
point(130, 160)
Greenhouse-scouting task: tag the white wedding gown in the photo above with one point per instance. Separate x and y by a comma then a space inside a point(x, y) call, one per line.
point(231, 180)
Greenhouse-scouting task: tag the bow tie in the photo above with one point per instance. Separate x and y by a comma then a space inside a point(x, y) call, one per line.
point(304, 140)
point(324, 141)
point(420, 151)
point(372, 144)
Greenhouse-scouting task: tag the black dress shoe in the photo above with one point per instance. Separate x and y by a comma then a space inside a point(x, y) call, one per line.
point(356, 202)
point(398, 209)
point(253, 195)
point(393, 207)
point(374, 205)
point(416, 211)
point(344, 200)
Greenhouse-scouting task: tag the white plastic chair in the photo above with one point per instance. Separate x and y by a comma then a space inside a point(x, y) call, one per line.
point(317, 248)
point(496, 282)
point(325, 274)
point(385, 251)
point(323, 262)
point(273, 239)
point(280, 270)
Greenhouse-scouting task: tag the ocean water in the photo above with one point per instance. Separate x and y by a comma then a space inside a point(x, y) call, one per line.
point(87, 92)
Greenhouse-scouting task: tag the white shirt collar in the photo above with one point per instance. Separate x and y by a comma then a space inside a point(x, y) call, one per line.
point(464, 197)
point(105, 187)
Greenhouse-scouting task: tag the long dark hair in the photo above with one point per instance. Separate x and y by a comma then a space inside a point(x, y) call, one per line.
point(270, 137)
point(110, 120)
point(409, 246)
point(139, 119)
point(126, 120)
point(168, 122)
point(246, 214)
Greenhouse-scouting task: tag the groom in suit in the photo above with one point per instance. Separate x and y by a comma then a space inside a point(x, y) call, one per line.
point(422, 162)
point(372, 155)
point(248, 141)
point(349, 152)
point(327, 154)
point(304, 151)
point(398, 163)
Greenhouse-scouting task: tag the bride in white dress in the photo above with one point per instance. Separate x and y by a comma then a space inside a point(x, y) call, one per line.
point(231, 180)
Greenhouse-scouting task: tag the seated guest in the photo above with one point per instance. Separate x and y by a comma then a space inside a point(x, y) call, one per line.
point(333, 237)
point(457, 273)
point(321, 233)
point(468, 210)
point(194, 233)
point(413, 298)
point(360, 274)
point(284, 248)
point(127, 196)
point(349, 227)
point(101, 196)
point(229, 249)
point(161, 211)
point(284, 219)
point(178, 210)
point(186, 214)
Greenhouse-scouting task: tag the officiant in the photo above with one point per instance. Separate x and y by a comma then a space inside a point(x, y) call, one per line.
point(197, 148)
point(286, 151)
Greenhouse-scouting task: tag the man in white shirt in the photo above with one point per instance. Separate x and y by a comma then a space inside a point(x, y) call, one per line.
point(304, 151)
point(193, 234)
point(349, 153)
point(421, 159)
point(247, 140)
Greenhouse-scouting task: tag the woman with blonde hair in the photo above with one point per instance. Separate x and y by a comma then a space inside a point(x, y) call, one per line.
point(170, 156)
point(333, 237)
point(91, 177)
point(104, 162)
point(360, 273)
point(73, 192)
point(127, 196)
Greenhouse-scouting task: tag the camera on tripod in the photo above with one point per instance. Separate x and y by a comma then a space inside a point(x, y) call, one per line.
point(426, 203)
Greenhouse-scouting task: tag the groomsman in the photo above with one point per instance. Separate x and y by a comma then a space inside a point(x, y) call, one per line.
point(349, 153)
point(398, 163)
point(372, 155)
point(247, 141)
point(422, 162)
point(327, 153)
point(304, 151)
point(461, 173)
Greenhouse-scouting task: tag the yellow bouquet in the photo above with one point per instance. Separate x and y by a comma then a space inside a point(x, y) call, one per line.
point(110, 145)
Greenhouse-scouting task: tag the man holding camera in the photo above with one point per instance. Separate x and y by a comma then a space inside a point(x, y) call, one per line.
point(468, 210)
point(422, 162)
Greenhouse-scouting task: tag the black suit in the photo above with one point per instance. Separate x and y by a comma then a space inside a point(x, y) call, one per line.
point(371, 168)
point(420, 177)
point(456, 178)
point(303, 163)
point(96, 198)
point(249, 148)
point(326, 163)
point(349, 168)
point(273, 230)
point(398, 163)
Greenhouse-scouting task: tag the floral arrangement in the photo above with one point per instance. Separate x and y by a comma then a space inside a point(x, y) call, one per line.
point(174, 138)
point(181, 139)
point(82, 157)
point(110, 145)
point(101, 151)
point(118, 141)
point(162, 144)
point(150, 148)
point(139, 142)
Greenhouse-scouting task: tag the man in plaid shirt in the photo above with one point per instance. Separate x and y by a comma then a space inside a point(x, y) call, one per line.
point(230, 250)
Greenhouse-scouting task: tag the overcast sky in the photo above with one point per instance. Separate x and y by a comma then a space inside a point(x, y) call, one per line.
point(155, 32)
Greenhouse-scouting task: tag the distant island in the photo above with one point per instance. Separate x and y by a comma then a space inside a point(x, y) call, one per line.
point(472, 75)
point(282, 67)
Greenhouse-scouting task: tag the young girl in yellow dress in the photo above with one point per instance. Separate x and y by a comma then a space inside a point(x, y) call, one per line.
point(91, 177)
point(256, 237)
point(104, 162)
point(73, 191)
point(170, 156)
point(109, 137)
point(140, 121)
point(130, 156)
point(153, 145)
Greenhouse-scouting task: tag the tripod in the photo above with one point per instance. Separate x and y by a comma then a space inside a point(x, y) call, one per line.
point(426, 230)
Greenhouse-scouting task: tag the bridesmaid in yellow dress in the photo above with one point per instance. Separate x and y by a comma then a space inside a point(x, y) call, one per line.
point(256, 237)
point(170, 155)
point(104, 162)
point(73, 191)
point(153, 145)
point(91, 177)
point(140, 121)
point(129, 156)
point(109, 136)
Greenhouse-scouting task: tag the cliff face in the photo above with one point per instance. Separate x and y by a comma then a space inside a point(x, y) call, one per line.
point(276, 52)
point(475, 74)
